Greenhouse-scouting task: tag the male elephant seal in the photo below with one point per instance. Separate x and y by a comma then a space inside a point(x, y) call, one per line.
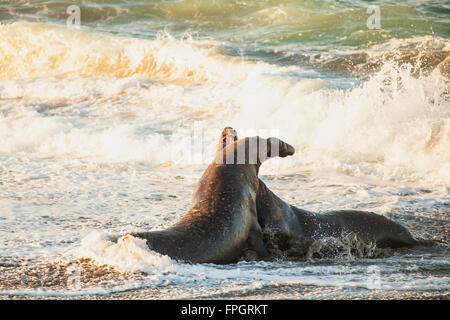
point(292, 225)
point(223, 220)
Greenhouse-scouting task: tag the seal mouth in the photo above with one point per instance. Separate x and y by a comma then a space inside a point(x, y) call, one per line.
point(290, 150)
point(279, 148)
point(286, 149)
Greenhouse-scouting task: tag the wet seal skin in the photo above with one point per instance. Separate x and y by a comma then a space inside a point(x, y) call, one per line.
point(232, 207)
point(223, 221)
point(292, 227)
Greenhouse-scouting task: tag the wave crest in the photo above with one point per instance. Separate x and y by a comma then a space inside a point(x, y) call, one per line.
point(34, 50)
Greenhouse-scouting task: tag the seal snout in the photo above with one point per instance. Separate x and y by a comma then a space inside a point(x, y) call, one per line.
point(288, 150)
point(282, 150)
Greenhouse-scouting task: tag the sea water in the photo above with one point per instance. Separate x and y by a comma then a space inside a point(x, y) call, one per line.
point(110, 113)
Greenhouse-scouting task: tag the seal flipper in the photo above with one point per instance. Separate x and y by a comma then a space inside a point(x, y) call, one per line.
point(255, 240)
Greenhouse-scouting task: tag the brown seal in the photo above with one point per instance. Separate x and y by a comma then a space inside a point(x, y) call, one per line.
point(223, 221)
point(290, 225)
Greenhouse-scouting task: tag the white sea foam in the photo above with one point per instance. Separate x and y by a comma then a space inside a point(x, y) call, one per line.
point(131, 255)
point(108, 107)
point(128, 254)
point(394, 127)
point(36, 50)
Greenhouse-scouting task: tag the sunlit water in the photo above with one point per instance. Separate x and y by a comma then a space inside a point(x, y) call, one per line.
point(106, 129)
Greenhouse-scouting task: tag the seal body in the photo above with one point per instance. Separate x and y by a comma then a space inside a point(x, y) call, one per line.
point(216, 228)
point(231, 206)
point(292, 225)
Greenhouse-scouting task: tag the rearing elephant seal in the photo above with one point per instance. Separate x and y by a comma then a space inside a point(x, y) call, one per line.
point(223, 219)
point(292, 225)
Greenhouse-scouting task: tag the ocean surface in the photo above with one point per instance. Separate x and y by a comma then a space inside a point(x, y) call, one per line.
point(111, 110)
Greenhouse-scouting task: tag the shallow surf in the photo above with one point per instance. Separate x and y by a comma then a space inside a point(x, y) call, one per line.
point(106, 129)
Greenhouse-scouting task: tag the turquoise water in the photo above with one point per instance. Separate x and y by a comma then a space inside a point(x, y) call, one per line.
point(332, 37)
point(106, 127)
point(304, 25)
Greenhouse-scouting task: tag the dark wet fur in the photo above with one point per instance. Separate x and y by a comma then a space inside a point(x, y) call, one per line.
point(222, 222)
point(292, 226)
point(236, 216)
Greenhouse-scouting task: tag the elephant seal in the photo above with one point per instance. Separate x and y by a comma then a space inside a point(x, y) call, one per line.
point(223, 221)
point(291, 225)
